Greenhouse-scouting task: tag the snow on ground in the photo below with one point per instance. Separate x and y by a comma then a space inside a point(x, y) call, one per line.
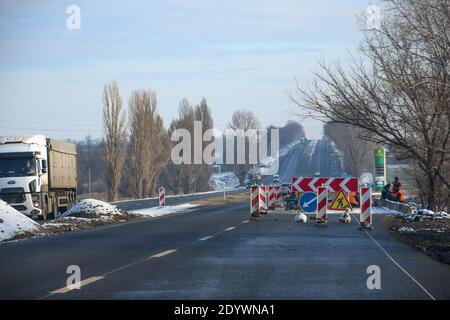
point(384, 210)
point(224, 180)
point(91, 208)
point(13, 223)
point(161, 211)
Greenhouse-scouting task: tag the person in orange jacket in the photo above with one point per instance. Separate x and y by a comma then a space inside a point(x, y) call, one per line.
point(353, 198)
point(397, 193)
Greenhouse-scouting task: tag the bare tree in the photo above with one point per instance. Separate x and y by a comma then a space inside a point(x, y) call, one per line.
point(357, 152)
point(186, 171)
point(399, 91)
point(148, 142)
point(115, 138)
point(244, 120)
point(202, 172)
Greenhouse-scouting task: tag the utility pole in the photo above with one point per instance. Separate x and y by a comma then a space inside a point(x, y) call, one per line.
point(88, 138)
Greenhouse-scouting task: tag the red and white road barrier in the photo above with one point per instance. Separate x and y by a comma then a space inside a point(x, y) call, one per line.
point(162, 196)
point(278, 195)
point(271, 197)
point(302, 184)
point(322, 201)
point(254, 198)
point(262, 199)
point(366, 207)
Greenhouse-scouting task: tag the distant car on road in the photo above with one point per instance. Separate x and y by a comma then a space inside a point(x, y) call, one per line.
point(276, 179)
point(250, 183)
point(285, 190)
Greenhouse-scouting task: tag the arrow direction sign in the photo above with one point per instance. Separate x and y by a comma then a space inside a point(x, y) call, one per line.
point(308, 202)
point(302, 184)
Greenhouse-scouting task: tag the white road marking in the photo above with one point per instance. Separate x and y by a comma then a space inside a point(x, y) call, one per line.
point(162, 254)
point(158, 255)
point(397, 264)
point(205, 238)
point(82, 283)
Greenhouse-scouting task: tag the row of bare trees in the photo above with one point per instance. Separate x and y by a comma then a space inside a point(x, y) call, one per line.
point(357, 152)
point(134, 147)
point(398, 92)
point(188, 178)
point(137, 148)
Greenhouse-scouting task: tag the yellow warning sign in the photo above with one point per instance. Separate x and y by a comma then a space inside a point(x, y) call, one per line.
point(340, 202)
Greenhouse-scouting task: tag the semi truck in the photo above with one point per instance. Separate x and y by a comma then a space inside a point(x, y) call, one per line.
point(38, 175)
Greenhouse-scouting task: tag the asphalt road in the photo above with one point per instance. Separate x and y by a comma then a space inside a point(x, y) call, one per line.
point(308, 158)
point(216, 253)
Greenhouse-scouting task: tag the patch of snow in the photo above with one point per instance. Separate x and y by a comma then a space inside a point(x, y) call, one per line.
point(91, 208)
point(406, 230)
point(14, 223)
point(384, 210)
point(161, 211)
point(224, 180)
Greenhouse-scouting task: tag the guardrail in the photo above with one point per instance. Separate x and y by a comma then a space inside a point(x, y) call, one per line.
point(393, 205)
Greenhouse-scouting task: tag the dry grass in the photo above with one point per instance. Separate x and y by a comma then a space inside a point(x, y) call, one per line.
point(240, 197)
point(431, 236)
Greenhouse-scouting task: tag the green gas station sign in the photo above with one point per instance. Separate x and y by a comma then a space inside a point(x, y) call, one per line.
point(380, 168)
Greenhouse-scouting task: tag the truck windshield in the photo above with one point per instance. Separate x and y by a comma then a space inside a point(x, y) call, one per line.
point(10, 167)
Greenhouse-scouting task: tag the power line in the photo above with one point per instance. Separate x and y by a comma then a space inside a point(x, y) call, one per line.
point(47, 129)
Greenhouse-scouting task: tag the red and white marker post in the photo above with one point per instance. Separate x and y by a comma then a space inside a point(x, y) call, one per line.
point(271, 197)
point(322, 203)
point(278, 195)
point(365, 217)
point(162, 196)
point(254, 198)
point(262, 199)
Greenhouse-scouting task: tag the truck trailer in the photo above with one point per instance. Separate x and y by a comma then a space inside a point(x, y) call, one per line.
point(38, 175)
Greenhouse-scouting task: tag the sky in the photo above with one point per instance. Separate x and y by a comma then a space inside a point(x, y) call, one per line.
point(237, 54)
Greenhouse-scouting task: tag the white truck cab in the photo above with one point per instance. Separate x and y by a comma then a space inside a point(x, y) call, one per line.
point(37, 175)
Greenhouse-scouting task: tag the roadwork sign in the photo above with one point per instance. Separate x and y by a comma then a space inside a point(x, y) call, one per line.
point(308, 202)
point(341, 202)
point(305, 184)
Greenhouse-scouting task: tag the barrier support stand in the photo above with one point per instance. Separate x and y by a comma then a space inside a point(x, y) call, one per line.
point(254, 201)
point(365, 218)
point(322, 204)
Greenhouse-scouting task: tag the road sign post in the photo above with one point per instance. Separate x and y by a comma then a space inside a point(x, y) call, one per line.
point(366, 209)
point(162, 196)
point(254, 198)
point(322, 201)
point(262, 199)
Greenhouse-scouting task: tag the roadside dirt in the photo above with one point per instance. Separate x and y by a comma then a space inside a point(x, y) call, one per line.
point(228, 199)
point(79, 222)
point(430, 236)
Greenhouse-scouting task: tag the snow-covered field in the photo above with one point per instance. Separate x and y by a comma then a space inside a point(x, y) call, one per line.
point(223, 180)
point(13, 223)
point(161, 211)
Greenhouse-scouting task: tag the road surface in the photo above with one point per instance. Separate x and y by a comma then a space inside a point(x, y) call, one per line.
point(215, 252)
point(308, 158)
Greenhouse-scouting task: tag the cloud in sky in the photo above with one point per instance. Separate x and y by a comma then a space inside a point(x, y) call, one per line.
point(238, 54)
